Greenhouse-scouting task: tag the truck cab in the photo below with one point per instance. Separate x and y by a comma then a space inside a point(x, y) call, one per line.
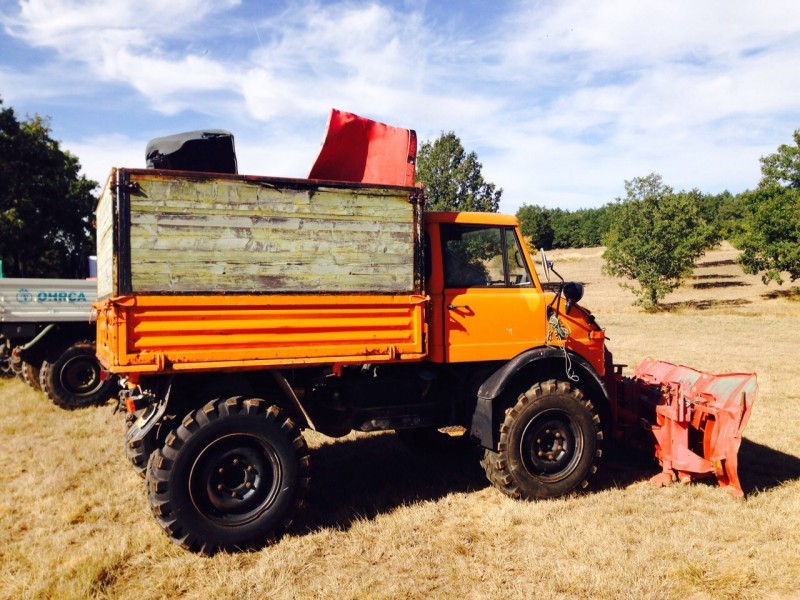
point(487, 303)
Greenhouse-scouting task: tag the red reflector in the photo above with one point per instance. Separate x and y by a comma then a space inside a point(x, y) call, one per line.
point(130, 404)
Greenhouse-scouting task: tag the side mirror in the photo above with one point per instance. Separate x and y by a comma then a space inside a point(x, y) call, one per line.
point(573, 292)
point(547, 265)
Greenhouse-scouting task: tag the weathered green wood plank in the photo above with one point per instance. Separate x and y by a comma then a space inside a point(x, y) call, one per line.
point(235, 235)
point(106, 283)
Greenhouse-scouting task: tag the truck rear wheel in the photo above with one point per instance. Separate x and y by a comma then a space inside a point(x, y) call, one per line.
point(230, 477)
point(138, 452)
point(550, 442)
point(73, 379)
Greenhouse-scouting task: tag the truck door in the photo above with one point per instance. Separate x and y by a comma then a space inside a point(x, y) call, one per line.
point(492, 310)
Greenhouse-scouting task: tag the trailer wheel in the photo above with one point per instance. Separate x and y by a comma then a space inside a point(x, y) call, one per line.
point(550, 442)
point(31, 375)
point(43, 376)
point(230, 477)
point(73, 379)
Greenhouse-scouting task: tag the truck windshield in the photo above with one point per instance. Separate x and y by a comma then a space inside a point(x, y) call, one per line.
point(481, 256)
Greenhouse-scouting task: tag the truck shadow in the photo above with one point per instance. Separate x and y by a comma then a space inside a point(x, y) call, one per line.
point(361, 479)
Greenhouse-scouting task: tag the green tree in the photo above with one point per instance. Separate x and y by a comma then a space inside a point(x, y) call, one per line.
point(452, 177)
point(535, 225)
point(770, 242)
point(46, 206)
point(655, 239)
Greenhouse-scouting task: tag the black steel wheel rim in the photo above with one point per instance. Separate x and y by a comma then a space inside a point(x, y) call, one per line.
point(551, 445)
point(80, 376)
point(235, 479)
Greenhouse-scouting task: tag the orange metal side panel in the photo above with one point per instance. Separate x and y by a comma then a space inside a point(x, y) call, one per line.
point(149, 334)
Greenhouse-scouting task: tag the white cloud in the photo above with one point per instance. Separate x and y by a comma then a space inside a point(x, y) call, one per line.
point(562, 101)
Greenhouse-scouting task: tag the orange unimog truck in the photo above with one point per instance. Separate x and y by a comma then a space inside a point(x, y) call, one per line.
point(240, 310)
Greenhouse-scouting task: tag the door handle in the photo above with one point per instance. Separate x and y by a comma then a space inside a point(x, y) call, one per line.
point(457, 306)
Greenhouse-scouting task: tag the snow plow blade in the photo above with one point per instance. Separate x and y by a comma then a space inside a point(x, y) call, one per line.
point(696, 419)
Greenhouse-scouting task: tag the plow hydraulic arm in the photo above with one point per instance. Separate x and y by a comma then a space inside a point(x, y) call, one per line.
point(695, 419)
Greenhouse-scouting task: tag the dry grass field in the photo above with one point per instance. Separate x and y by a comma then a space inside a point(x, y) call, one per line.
point(387, 523)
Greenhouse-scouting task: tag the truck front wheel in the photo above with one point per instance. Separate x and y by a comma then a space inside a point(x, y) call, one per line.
point(73, 379)
point(230, 477)
point(550, 442)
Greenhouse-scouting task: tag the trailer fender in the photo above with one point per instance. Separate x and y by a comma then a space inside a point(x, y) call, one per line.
point(537, 364)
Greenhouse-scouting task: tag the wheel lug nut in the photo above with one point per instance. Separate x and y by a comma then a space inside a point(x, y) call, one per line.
point(219, 487)
point(233, 494)
point(236, 461)
point(248, 485)
point(541, 453)
point(220, 470)
point(249, 468)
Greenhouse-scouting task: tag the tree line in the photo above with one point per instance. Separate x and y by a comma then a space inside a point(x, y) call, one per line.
point(556, 228)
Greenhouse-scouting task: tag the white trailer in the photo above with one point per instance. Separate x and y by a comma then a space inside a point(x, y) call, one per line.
point(47, 337)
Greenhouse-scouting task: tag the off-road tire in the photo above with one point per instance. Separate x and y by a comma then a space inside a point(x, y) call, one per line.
point(138, 452)
point(73, 379)
point(43, 369)
point(230, 477)
point(550, 444)
point(30, 374)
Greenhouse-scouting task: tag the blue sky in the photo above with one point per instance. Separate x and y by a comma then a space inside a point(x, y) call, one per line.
point(562, 101)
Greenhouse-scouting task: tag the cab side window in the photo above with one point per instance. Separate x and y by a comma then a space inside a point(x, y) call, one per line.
point(481, 256)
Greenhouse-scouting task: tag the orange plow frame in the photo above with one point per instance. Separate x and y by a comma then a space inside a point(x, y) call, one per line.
point(696, 419)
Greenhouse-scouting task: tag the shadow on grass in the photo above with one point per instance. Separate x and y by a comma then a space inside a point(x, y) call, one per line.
point(717, 263)
point(790, 294)
point(361, 479)
point(366, 477)
point(707, 285)
point(714, 276)
point(701, 304)
point(762, 468)
point(623, 466)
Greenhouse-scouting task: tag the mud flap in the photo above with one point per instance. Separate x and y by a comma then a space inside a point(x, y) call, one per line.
point(696, 419)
